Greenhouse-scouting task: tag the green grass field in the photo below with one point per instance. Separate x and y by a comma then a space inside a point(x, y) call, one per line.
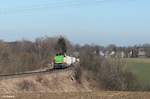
point(140, 67)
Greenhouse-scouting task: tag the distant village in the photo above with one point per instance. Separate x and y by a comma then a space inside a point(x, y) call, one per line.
point(141, 51)
point(123, 54)
point(138, 52)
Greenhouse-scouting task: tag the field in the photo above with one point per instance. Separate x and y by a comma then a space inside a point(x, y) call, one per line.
point(140, 67)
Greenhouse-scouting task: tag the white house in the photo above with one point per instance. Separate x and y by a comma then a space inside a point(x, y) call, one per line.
point(141, 53)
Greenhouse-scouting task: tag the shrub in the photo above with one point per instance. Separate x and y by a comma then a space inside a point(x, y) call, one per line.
point(26, 85)
point(108, 73)
point(78, 74)
point(42, 80)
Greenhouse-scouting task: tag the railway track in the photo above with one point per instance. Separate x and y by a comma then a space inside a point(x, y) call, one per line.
point(31, 73)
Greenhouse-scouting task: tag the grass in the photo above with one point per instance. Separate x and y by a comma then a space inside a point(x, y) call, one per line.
point(141, 67)
point(78, 95)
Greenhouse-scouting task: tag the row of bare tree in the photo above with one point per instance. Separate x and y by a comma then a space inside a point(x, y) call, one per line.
point(27, 55)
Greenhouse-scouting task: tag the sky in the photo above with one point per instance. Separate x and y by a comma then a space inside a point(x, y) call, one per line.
point(103, 22)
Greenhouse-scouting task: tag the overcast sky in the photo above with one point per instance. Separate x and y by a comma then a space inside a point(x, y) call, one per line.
point(103, 22)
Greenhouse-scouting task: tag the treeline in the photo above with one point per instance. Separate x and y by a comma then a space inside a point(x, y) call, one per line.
point(27, 55)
